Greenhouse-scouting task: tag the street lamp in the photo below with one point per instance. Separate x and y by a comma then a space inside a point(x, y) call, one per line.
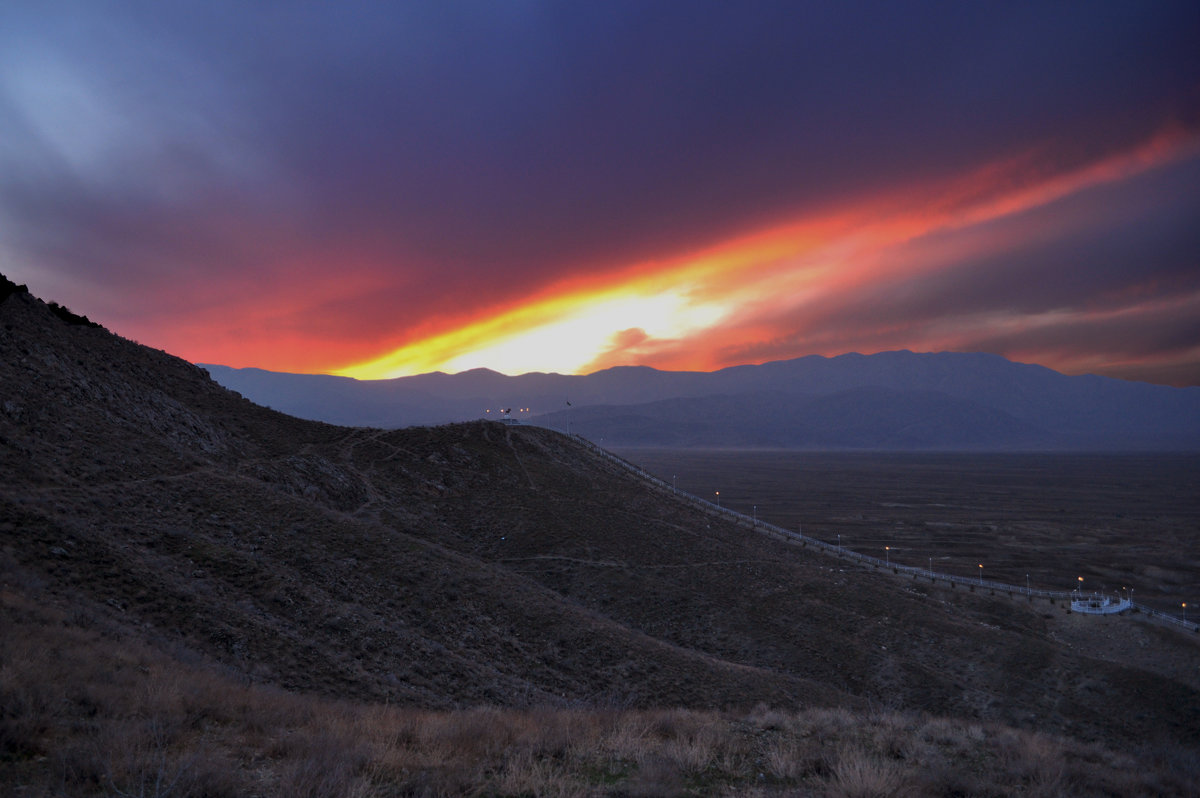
point(1079, 589)
point(718, 498)
point(672, 483)
point(887, 555)
point(981, 573)
point(839, 542)
point(931, 568)
point(756, 515)
point(1185, 612)
point(1027, 590)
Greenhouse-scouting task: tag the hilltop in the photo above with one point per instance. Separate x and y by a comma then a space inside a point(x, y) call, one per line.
point(152, 517)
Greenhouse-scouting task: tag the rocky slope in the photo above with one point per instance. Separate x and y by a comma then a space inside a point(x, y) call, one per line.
point(482, 564)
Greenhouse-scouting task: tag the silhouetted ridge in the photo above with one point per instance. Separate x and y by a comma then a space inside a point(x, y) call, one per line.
point(66, 315)
point(8, 288)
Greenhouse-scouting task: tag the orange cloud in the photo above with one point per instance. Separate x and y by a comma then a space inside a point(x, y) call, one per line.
point(273, 315)
point(706, 308)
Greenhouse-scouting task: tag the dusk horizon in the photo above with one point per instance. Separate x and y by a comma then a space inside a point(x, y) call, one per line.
point(712, 370)
point(633, 397)
point(382, 191)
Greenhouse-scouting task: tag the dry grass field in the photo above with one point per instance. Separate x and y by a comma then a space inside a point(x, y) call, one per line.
point(88, 710)
point(1119, 521)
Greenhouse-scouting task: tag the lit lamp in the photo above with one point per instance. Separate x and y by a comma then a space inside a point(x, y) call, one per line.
point(718, 498)
point(887, 555)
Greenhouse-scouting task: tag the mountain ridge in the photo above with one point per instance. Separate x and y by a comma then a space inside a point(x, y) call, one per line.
point(1084, 412)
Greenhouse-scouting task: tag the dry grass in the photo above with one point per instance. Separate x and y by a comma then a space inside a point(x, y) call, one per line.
point(858, 773)
point(86, 708)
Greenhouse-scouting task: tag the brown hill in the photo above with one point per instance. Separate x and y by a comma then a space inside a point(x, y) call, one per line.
point(479, 564)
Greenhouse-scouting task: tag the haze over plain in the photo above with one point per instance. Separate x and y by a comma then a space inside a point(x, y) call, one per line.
point(386, 190)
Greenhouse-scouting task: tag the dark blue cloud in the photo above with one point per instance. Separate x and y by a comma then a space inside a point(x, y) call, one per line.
point(589, 125)
point(449, 140)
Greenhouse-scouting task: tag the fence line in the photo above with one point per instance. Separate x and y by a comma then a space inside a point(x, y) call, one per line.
point(836, 550)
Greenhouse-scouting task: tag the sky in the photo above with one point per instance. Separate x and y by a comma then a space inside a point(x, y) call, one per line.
point(381, 189)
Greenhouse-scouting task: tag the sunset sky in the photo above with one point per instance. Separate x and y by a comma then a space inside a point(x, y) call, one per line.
point(381, 189)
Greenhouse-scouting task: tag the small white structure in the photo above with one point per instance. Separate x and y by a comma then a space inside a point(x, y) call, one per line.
point(1097, 604)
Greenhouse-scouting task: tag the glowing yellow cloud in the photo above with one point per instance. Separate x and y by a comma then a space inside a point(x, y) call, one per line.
point(560, 334)
point(573, 325)
point(784, 268)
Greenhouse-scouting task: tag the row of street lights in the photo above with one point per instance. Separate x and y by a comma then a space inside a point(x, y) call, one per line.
point(887, 554)
point(754, 511)
point(887, 559)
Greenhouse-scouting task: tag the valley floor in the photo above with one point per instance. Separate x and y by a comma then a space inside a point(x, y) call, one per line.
point(1119, 521)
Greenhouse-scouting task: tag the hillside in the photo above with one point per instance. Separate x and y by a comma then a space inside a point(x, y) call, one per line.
point(897, 401)
point(480, 565)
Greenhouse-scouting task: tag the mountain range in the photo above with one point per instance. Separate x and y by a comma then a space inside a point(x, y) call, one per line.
point(886, 401)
